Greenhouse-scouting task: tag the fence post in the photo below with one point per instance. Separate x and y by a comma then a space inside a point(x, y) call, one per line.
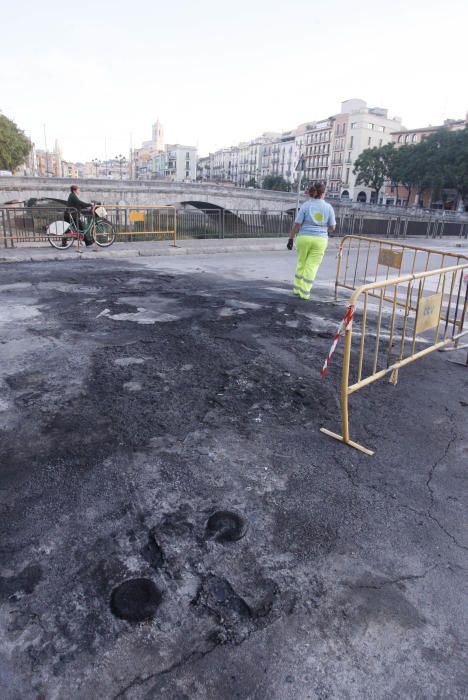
point(4, 229)
point(12, 242)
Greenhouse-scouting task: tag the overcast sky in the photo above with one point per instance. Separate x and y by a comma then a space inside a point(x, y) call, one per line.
point(98, 73)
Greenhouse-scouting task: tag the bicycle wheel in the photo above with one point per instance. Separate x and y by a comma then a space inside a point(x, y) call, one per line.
point(59, 235)
point(104, 233)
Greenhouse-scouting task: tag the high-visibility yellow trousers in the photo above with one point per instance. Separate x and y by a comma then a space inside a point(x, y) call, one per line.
point(310, 252)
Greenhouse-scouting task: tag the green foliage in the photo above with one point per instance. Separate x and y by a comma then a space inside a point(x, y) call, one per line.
point(252, 182)
point(14, 146)
point(373, 166)
point(439, 161)
point(275, 182)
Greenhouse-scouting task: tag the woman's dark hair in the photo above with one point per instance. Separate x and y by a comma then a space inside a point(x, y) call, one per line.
point(73, 188)
point(318, 188)
point(310, 190)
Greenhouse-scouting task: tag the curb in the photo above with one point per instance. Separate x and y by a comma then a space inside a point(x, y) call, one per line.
point(115, 254)
point(122, 255)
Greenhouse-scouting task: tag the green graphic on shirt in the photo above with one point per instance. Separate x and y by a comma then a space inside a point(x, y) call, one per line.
point(317, 217)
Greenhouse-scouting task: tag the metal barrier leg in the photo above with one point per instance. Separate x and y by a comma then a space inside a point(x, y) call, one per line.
point(344, 400)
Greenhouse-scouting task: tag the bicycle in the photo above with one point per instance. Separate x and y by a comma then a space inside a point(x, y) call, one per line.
point(62, 234)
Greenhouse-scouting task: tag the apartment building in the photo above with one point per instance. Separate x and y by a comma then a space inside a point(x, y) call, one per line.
point(330, 148)
point(410, 137)
point(356, 128)
point(283, 157)
point(177, 163)
point(70, 169)
point(317, 149)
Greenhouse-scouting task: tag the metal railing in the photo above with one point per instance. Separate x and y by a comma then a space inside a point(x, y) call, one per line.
point(27, 226)
point(23, 225)
point(362, 260)
point(397, 222)
point(400, 329)
point(143, 222)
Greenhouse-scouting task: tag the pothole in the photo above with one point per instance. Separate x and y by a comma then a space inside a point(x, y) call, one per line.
point(218, 597)
point(152, 551)
point(136, 599)
point(226, 526)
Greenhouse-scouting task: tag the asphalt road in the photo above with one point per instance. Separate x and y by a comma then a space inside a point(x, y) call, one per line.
point(137, 398)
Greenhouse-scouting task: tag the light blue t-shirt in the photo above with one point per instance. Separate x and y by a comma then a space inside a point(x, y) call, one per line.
point(315, 216)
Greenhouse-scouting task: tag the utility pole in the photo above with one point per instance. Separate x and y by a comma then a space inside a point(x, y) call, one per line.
point(46, 152)
point(299, 170)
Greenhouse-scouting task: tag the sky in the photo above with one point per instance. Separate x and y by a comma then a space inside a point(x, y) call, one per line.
point(97, 73)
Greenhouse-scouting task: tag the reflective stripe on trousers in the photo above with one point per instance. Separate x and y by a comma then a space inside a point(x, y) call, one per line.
point(310, 252)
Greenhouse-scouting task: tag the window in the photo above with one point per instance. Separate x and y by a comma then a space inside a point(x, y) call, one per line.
point(407, 138)
point(380, 143)
point(400, 138)
point(351, 142)
point(187, 155)
point(369, 141)
point(414, 138)
point(347, 174)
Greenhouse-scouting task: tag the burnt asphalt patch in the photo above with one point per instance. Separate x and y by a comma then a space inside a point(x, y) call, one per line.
point(136, 404)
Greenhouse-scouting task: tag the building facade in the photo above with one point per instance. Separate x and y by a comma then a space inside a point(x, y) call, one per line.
point(177, 163)
point(399, 195)
point(330, 148)
point(318, 145)
point(158, 160)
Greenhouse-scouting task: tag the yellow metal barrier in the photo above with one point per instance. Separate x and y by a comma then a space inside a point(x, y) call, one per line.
point(362, 260)
point(435, 318)
point(149, 222)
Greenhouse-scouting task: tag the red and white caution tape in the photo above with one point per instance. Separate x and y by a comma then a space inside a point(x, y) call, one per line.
point(340, 330)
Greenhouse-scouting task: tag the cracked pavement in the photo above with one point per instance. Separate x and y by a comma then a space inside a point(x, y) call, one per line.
point(136, 398)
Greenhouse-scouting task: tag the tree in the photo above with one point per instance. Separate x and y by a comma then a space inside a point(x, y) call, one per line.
point(14, 146)
point(417, 169)
point(448, 161)
point(252, 182)
point(460, 164)
point(275, 182)
point(372, 167)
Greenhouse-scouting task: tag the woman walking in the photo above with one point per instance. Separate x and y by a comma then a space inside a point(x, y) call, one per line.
point(313, 222)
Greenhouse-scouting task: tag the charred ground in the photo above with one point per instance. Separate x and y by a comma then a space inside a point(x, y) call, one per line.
point(135, 403)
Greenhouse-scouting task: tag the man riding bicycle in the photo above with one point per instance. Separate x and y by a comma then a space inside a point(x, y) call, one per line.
point(75, 207)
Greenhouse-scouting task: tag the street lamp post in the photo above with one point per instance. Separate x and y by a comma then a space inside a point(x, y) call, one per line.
point(120, 160)
point(300, 167)
point(96, 162)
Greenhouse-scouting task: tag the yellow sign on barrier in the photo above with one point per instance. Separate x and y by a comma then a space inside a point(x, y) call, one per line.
point(428, 313)
point(137, 216)
point(391, 258)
